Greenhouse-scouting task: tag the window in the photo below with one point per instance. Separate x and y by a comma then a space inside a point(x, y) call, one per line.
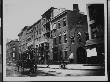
point(72, 39)
point(65, 38)
point(59, 25)
point(39, 31)
point(13, 55)
point(79, 37)
point(59, 39)
point(54, 26)
point(29, 39)
point(39, 38)
point(64, 21)
point(87, 36)
point(13, 49)
point(55, 41)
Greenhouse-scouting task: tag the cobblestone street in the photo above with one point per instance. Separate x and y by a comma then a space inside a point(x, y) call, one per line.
point(54, 70)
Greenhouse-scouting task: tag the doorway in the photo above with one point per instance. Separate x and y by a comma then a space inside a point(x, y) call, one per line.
point(81, 55)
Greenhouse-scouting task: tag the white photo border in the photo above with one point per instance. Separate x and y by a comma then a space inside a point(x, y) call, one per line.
point(46, 78)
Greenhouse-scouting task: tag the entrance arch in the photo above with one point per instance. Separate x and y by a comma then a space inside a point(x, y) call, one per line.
point(81, 55)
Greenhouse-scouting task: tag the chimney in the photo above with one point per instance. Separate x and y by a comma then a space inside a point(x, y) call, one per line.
point(75, 7)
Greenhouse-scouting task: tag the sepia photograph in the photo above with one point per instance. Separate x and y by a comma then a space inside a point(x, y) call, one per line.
point(55, 40)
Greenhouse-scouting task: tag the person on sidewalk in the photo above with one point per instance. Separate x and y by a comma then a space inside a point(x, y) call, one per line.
point(48, 60)
point(63, 64)
point(71, 58)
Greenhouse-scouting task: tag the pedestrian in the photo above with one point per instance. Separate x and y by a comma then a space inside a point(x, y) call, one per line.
point(71, 58)
point(48, 60)
point(63, 64)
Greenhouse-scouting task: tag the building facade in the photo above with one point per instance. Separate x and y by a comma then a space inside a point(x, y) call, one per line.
point(23, 39)
point(30, 37)
point(12, 51)
point(65, 27)
point(96, 29)
point(57, 35)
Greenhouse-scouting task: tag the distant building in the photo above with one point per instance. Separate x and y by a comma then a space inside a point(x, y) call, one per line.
point(23, 39)
point(12, 51)
point(38, 33)
point(30, 37)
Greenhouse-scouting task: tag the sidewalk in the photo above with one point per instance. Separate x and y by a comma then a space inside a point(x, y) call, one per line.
point(73, 66)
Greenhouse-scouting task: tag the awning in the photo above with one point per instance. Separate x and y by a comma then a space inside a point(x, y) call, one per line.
point(94, 41)
point(91, 52)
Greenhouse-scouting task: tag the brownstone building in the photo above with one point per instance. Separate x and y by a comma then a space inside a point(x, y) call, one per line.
point(55, 35)
point(12, 51)
point(22, 39)
point(30, 37)
point(65, 27)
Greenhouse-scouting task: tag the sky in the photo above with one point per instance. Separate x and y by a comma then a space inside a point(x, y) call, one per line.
point(20, 13)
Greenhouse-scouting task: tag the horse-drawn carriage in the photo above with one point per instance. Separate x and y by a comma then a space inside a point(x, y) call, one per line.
point(27, 61)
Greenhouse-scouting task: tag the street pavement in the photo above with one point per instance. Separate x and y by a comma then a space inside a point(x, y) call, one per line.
point(56, 71)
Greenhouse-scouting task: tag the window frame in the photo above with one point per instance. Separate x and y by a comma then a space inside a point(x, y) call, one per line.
point(59, 24)
point(59, 39)
point(64, 19)
point(66, 54)
point(65, 39)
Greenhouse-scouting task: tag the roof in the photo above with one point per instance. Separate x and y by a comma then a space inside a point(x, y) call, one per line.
point(60, 14)
point(12, 41)
point(36, 22)
point(25, 28)
point(51, 8)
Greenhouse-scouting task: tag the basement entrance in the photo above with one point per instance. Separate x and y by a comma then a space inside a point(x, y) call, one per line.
point(81, 55)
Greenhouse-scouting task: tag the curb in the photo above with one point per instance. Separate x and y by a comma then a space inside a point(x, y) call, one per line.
point(69, 67)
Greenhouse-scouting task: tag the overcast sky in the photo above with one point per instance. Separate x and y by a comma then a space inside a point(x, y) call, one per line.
point(19, 13)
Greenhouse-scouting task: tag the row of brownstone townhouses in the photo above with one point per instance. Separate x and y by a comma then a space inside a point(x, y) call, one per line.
point(66, 35)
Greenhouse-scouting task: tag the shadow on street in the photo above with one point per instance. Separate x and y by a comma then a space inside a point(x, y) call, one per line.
point(38, 73)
